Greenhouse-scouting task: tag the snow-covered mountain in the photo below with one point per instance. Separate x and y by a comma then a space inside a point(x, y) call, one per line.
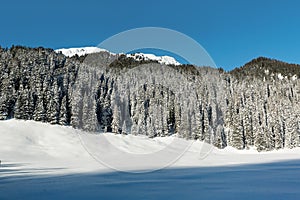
point(251, 108)
point(144, 98)
point(168, 60)
point(80, 51)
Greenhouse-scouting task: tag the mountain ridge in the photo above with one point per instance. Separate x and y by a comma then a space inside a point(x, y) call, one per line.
point(267, 67)
point(81, 51)
point(68, 52)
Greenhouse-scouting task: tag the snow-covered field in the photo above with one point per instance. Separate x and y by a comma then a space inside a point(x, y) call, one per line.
point(40, 161)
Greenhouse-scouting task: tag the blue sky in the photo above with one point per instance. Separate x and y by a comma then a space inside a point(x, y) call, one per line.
point(232, 31)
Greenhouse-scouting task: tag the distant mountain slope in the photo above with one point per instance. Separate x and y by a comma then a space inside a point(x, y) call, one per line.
point(255, 105)
point(137, 56)
point(80, 51)
point(268, 68)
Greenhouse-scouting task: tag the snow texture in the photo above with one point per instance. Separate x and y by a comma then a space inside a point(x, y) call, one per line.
point(41, 161)
point(168, 60)
point(80, 51)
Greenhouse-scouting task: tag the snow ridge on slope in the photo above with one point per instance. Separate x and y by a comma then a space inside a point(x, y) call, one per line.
point(69, 52)
point(168, 60)
point(47, 144)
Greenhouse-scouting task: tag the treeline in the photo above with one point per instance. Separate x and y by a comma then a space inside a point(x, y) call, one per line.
point(256, 105)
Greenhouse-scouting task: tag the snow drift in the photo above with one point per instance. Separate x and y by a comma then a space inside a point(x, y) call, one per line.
point(42, 161)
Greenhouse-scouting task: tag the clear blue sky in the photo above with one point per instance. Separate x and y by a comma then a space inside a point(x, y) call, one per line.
point(232, 31)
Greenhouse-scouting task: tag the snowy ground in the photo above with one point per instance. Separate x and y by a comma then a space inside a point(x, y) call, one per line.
point(40, 161)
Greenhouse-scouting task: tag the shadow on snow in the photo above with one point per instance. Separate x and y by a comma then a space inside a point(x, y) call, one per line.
point(278, 180)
